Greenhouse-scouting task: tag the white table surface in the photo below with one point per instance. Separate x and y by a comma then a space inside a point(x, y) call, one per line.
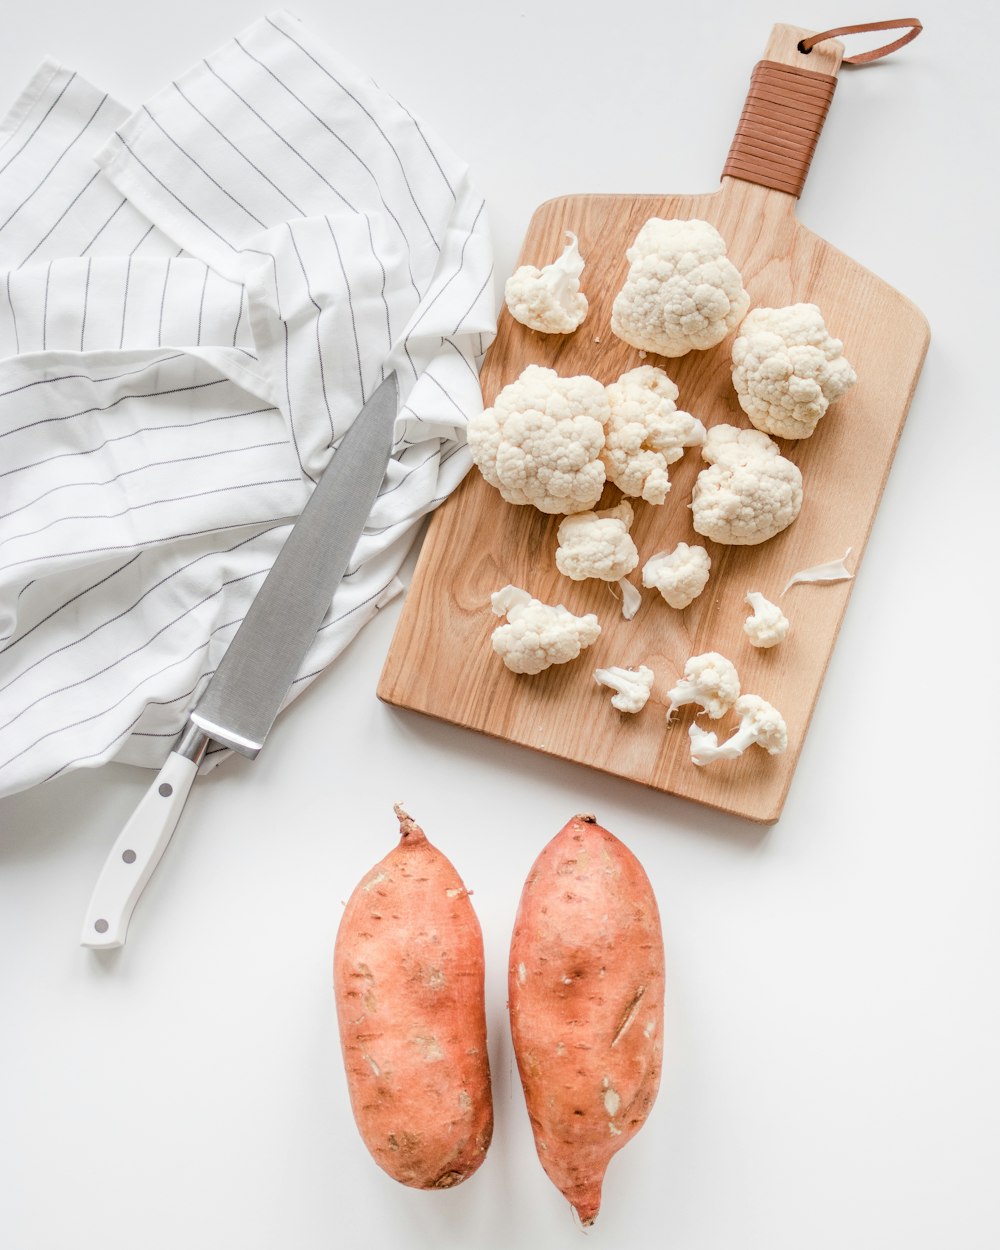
point(831, 1074)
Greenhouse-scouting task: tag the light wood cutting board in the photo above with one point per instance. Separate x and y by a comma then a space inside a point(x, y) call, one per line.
point(441, 662)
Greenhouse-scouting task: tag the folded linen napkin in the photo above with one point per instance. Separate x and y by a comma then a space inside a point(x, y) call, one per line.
point(195, 301)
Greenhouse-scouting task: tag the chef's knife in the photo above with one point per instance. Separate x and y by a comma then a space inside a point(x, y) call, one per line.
point(244, 695)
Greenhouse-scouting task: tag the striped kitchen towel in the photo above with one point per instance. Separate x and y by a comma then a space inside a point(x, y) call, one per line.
point(195, 300)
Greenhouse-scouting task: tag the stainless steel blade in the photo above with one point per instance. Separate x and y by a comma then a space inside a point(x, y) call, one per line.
point(249, 686)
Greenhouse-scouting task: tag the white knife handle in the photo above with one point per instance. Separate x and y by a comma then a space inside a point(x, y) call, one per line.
point(140, 844)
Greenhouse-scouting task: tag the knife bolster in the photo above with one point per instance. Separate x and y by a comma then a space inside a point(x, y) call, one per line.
point(235, 741)
point(192, 743)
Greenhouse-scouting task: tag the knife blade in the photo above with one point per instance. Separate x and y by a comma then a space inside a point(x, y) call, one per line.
point(238, 706)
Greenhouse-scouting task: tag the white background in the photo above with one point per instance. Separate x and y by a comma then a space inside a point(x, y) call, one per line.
point(832, 1076)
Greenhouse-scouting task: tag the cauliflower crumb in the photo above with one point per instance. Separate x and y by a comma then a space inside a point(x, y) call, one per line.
point(682, 291)
point(549, 299)
point(632, 685)
point(646, 432)
point(631, 598)
point(788, 369)
point(541, 442)
point(749, 493)
point(597, 544)
point(538, 635)
point(830, 571)
point(768, 625)
point(679, 575)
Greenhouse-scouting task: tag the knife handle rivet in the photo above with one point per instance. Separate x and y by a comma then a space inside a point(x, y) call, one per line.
point(166, 790)
point(128, 857)
point(101, 926)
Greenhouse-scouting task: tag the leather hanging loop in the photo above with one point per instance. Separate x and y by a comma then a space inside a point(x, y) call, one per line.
point(912, 25)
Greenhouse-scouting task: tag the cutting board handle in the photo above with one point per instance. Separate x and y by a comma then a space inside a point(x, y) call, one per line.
point(790, 93)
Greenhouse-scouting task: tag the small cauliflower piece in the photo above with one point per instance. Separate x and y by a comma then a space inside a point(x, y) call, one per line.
point(788, 369)
point(679, 575)
point(646, 433)
point(768, 625)
point(541, 442)
point(633, 686)
point(760, 723)
point(538, 635)
point(597, 544)
point(711, 681)
point(682, 292)
point(549, 299)
point(749, 493)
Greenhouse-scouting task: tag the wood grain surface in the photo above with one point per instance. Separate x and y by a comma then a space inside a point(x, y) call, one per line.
point(441, 662)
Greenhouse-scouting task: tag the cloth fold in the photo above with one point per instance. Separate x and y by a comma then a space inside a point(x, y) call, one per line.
point(195, 300)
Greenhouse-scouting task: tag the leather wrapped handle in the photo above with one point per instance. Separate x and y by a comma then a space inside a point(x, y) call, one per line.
point(791, 90)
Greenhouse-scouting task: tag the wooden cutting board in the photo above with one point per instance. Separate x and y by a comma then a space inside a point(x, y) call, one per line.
point(441, 662)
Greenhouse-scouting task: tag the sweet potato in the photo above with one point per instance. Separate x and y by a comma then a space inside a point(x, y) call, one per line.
point(408, 979)
point(585, 990)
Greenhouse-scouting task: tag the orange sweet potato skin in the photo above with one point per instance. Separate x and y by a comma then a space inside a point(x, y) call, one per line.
point(408, 981)
point(585, 983)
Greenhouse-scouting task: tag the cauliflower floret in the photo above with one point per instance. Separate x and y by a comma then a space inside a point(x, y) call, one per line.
point(682, 291)
point(597, 544)
point(541, 442)
point(633, 686)
point(788, 369)
point(750, 492)
point(646, 433)
point(759, 722)
point(538, 635)
point(549, 299)
point(679, 575)
point(711, 681)
point(768, 625)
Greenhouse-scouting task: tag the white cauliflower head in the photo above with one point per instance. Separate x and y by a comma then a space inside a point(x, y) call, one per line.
point(749, 493)
point(682, 291)
point(549, 299)
point(632, 686)
point(538, 635)
point(646, 432)
point(788, 369)
point(679, 575)
point(597, 544)
point(768, 625)
point(711, 681)
point(541, 442)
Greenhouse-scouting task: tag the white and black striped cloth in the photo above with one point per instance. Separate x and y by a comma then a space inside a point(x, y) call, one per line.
point(195, 301)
